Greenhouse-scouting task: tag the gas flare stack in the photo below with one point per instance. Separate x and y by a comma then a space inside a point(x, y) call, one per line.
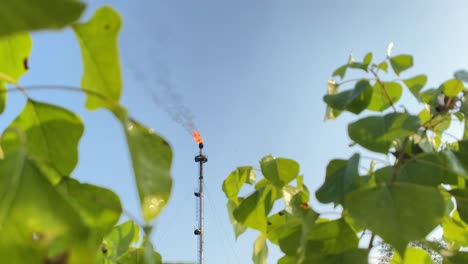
point(200, 158)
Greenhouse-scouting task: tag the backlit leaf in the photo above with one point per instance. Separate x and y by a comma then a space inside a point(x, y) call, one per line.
point(238, 228)
point(455, 230)
point(354, 256)
point(279, 171)
point(413, 255)
point(260, 252)
point(119, 240)
point(379, 101)
point(14, 53)
point(29, 15)
point(401, 63)
point(377, 133)
point(52, 134)
point(415, 84)
point(234, 182)
point(98, 42)
point(399, 213)
point(452, 87)
point(151, 158)
point(341, 71)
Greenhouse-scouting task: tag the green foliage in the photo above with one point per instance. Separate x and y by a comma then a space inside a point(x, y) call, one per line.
point(46, 216)
point(399, 203)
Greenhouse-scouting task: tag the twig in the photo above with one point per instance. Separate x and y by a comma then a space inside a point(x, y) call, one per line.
point(384, 89)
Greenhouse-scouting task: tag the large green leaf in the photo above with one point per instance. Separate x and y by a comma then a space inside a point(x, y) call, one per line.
point(354, 101)
point(234, 182)
point(412, 256)
point(37, 222)
point(426, 169)
point(342, 177)
point(452, 87)
point(151, 159)
point(377, 133)
point(461, 196)
point(260, 250)
point(29, 15)
point(98, 42)
point(284, 229)
point(380, 101)
point(14, 53)
point(142, 255)
point(253, 210)
point(52, 134)
point(100, 208)
point(415, 84)
point(279, 171)
point(399, 213)
point(401, 63)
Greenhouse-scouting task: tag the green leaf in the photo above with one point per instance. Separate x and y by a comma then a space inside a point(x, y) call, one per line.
point(99, 208)
point(413, 255)
point(238, 228)
point(142, 255)
point(429, 96)
point(455, 230)
point(354, 101)
point(415, 84)
point(401, 63)
point(426, 169)
point(36, 221)
point(260, 252)
point(452, 87)
point(459, 258)
point(399, 213)
point(279, 171)
point(14, 53)
point(285, 229)
point(377, 133)
point(52, 134)
point(461, 196)
point(98, 42)
point(331, 237)
point(252, 211)
point(296, 200)
point(349, 257)
point(367, 59)
point(342, 177)
point(29, 15)
point(383, 66)
point(118, 241)
point(379, 101)
point(341, 71)
point(151, 159)
point(234, 182)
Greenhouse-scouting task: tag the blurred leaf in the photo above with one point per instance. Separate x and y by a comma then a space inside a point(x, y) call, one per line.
point(332, 88)
point(260, 252)
point(52, 134)
point(353, 256)
point(234, 182)
point(37, 222)
point(341, 71)
point(342, 177)
point(279, 171)
point(455, 230)
point(426, 169)
point(29, 15)
point(390, 212)
point(14, 53)
point(99, 208)
point(151, 158)
point(367, 59)
point(379, 101)
point(412, 256)
point(238, 228)
point(401, 63)
point(429, 96)
point(98, 42)
point(461, 75)
point(377, 133)
point(415, 84)
point(452, 87)
point(296, 200)
point(458, 258)
point(354, 101)
point(383, 66)
point(141, 255)
point(461, 196)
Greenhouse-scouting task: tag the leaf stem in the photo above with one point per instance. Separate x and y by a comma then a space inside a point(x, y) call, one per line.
point(384, 90)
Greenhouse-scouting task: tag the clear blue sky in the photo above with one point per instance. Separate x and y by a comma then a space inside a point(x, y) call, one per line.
point(253, 74)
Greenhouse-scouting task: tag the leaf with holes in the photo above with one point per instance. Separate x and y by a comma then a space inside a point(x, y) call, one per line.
point(102, 74)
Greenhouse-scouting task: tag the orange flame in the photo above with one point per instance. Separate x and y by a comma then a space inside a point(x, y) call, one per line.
point(197, 137)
